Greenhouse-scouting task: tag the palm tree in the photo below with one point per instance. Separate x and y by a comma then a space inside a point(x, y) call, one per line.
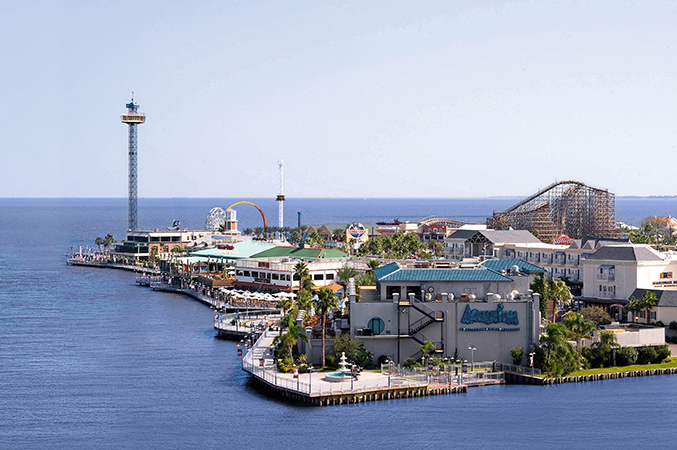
point(607, 341)
point(301, 271)
point(108, 240)
point(649, 300)
point(292, 335)
point(579, 328)
point(338, 234)
point(560, 295)
point(344, 275)
point(303, 300)
point(634, 305)
point(286, 305)
point(326, 301)
point(247, 231)
point(373, 264)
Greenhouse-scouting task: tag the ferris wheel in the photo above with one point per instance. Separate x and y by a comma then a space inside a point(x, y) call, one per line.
point(215, 218)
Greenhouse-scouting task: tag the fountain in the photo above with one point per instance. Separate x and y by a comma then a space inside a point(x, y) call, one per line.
point(343, 373)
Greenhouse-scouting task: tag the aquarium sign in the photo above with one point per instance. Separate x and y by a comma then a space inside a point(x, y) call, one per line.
point(489, 316)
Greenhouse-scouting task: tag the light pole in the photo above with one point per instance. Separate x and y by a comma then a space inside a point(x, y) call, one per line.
point(310, 380)
point(531, 362)
point(472, 357)
point(390, 371)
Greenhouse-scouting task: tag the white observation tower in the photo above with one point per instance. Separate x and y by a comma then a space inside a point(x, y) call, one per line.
point(132, 118)
point(280, 196)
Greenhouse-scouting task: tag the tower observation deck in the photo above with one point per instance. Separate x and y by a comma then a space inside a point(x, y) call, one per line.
point(132, 118)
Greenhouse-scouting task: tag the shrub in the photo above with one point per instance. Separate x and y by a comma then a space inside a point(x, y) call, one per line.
point(330, 360)
point(409, 363)
point(517, 354)
point(596, 314)
point(673, 325)
point(596, 357)
point(646, 355)
point(626, 356)
point(662, 352)
point(659, 323)
point(285, 365)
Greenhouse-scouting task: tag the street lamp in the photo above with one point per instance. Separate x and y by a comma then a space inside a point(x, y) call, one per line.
point(472, 357)
point(310, 380)
point(531, 362)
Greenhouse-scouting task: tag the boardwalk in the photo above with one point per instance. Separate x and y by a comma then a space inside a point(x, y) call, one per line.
point(76, 261)
point(312, 388)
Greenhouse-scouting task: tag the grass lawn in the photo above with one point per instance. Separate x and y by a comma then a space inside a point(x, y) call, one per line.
point(671, 362)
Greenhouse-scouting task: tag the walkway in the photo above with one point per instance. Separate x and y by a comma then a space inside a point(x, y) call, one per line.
point(312, 388)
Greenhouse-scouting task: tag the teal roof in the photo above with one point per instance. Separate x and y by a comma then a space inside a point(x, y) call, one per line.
point(244, 249)
point(500, 265)
point(383, 271)
point(482, 275)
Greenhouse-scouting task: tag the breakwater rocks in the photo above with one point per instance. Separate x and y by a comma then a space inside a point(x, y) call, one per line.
point(515, 378)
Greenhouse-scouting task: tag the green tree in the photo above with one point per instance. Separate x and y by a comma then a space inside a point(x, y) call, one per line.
point(634, 305)
point(517, 353)
point(291, 334)
point(303, 299)
point(286, 304)
point(561, 358)
point(596, 314)
point(542, 287)
point(649, 301)
point(579, 327)
point(607, 341)
point(338, 234)
point(108, 240)
point(428, 348)
point(354, 350)
point(326, 301)
point(344, 275)
point(560, 293)
point(98, 241)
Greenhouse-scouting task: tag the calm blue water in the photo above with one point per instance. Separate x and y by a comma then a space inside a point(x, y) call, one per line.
point(89, 360)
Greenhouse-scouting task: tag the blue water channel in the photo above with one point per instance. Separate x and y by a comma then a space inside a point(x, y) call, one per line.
point(90, 360)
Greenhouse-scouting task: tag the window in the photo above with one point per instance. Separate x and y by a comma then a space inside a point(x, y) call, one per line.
point(330, 276)
point(390, 290)
point(246, 273)
point(642, 314)
point(276, 276)
point(653, 315)
point(255, 274)
point(376, 325)
point(318, 277)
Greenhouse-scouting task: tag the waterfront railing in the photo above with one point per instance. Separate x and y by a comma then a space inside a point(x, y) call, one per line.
point(256, 362)
point(526, 370)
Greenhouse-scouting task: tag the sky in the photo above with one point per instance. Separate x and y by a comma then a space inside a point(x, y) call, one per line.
point(361, 99)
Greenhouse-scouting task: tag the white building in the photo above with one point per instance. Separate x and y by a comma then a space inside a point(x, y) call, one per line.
point(614, 273)
point(275, 274)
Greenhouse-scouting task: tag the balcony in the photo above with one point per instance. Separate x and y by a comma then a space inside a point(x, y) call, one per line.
point(606, 277)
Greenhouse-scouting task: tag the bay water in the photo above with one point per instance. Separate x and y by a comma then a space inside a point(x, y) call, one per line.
point(90, 360)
